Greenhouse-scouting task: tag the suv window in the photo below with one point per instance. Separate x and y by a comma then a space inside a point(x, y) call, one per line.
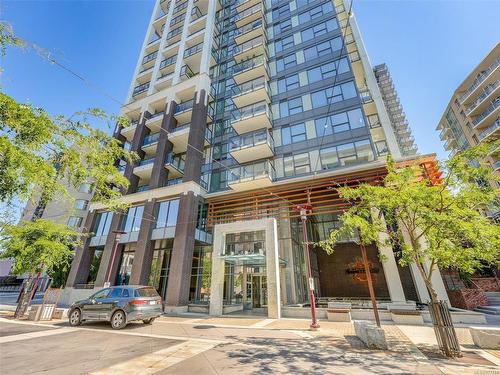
point(101, 294)
point(146, 292)
point(125, 293)
point(116, 293)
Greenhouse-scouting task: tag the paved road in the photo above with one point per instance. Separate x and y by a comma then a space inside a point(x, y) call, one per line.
point(198, 346)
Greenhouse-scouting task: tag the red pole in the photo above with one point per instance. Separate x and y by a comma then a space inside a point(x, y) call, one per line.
point(370, 283)
point(303, 211)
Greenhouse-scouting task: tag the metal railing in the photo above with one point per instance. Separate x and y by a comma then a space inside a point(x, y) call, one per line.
point(149, 57)
point(249, 86)
point(174, 181)
point(479, 79)
point(169, 61)
point(174, 32)
point(151, 138)
point(256, 138)
point(184, 106)
point(486, 112)
point(192, 50)
point(187, 72)
point(176, 161)
point(147, 161)
point(196, 13)
point(143, 188)
point(489, 130)
point(486, 92)
point(140, 89)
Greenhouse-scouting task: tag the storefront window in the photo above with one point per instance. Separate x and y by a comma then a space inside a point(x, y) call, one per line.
point(125, 269)
point(167, 214)
point(201, 274)
point(160, 265)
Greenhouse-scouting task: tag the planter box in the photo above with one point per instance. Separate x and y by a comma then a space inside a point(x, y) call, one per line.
point(339, 315)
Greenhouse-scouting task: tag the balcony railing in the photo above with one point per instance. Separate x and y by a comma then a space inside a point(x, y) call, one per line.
point(149, 57)
point(177, 161)
point(184, 106)
point(252, 139)
point(251, 111)
point(487, 112)
point(489, 130)
point(248, 64)
point(167, 62)
point(249, 86)
point(174, 181)
point(250, 27)
point(174, 32)
point(479, 79)
point(180, 7)
point(196, 13)
point(195, 49)
point(143, 188)
point(247, 12)
point(150, 139)
point(140, 89)
point(187, 72)
point(487, 91)
point(147, 161)
point(251, 172)
point(248, 45)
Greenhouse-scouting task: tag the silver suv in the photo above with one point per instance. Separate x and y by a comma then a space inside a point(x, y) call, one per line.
point(118, 305)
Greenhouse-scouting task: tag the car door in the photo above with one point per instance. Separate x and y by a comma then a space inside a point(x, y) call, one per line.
point(110, 303)
point(92, 308)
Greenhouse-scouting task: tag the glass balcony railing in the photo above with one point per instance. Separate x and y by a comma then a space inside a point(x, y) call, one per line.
point(250, 86)
point(174, 32)
point(248, 45)
point(248, 12)
point(486, 92)
point(493, 106)
point(150, 139)
point(489, 130)
point(479, 79)
point(248, 64)
point(251, 139)
point(149, 57)
point(174, 181)
point(147, 161)
point(193, 50)
point(251, 111)
point(250, 27)
point(177, 20)
point(177, 161)
point(140, 89)
point(143, 188)
point(167, 62)
point(184, 106)
point(251, 172)
point(196, 13)
point(186, 72)
point(180, 7)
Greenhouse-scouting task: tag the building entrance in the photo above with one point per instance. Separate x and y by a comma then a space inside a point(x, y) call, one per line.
point(256, 291)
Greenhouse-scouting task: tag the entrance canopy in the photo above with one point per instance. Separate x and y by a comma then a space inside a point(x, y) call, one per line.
point(253, 260)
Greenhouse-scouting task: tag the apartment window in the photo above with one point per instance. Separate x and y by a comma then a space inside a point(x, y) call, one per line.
point(316, 12)
point(346, 154)
point(81, 204)
point(134, 219)
point(85, 188)
point(333, 94)
point(281, 11)
point(339, 122)
point(102, 223)
point(329, 158)
point(381, 147)
point(327, 70)
point(374, 121)
point(167, 213)
point(296, 164)
point(320, 29)
point(288, 83)
point(291, 107)
point(282, 26)
point(292, 134)
point(286, 62)
point(283, 44)
point(323, 49)
point(74, 221)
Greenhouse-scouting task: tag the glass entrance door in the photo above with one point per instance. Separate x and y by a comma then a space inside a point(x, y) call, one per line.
point(259, 290)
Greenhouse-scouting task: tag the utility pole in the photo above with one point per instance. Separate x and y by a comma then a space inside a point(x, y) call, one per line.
point(303, 209)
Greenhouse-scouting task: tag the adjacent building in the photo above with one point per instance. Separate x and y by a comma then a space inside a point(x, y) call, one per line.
point(473, 113)
point(241, 110)
point(399, 123)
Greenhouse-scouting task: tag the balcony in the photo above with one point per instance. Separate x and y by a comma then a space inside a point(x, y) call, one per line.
point(250, 49)
point(250, 31)
point(129, 131)
point(183, 111)
point(140, 90)
point(196, 14)
point(253, 117)
point(174, 35)
point(486, 74)
point(186, 73)
point(252, 146)
point(250, 92)
point(168, 65)
point(191, 54)
point(175, 165)
point(150, 142)
point(249, 15)
point(487, 115)
point(146, 60)
point(490, 131)
point(481, 102)
point(250, 177)
point(154, 122)
point(241, 5)
point(250, 70)
point(144, 169)
point(180, 135)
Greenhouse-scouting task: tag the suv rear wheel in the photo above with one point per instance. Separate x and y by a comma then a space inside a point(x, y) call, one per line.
point(118, 320)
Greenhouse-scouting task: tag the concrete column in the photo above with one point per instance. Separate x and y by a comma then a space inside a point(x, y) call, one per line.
point(144, 249)
point(196, 140)
point(272, 270)
point(179, 277)
point(389, 264)
point(217, 280)
point(107, 254)
point(244, 285)
point(136, 146)
point(163, 148)
point(80, 266)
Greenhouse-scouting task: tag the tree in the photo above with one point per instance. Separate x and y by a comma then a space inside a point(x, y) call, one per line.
point(38, 151)
point(37, 247)
point(432, 224)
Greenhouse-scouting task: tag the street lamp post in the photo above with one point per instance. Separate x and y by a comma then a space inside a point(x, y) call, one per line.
point(118, 236)
point(303, 209)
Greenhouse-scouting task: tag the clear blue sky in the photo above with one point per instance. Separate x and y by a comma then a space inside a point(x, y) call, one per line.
point(429, 46)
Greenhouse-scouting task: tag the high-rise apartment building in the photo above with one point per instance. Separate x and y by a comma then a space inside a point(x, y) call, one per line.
point(399, 123)
point(473, 113)
point(240, 110)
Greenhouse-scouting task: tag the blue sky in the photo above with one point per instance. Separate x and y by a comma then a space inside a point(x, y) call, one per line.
point(429, 46)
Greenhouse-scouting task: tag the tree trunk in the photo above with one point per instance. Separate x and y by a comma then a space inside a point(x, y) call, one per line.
point(24, 298)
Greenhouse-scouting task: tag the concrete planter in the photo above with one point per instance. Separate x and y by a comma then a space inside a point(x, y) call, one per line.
point(339, 315)
point(407, 317)
point(370, 334)
point(486, 338)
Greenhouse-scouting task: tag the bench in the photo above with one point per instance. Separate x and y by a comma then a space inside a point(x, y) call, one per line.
point(412, 317)
point(339, 315)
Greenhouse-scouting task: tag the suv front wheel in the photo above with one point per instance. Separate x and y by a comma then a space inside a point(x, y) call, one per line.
point(75, 317)
point(118, 320)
